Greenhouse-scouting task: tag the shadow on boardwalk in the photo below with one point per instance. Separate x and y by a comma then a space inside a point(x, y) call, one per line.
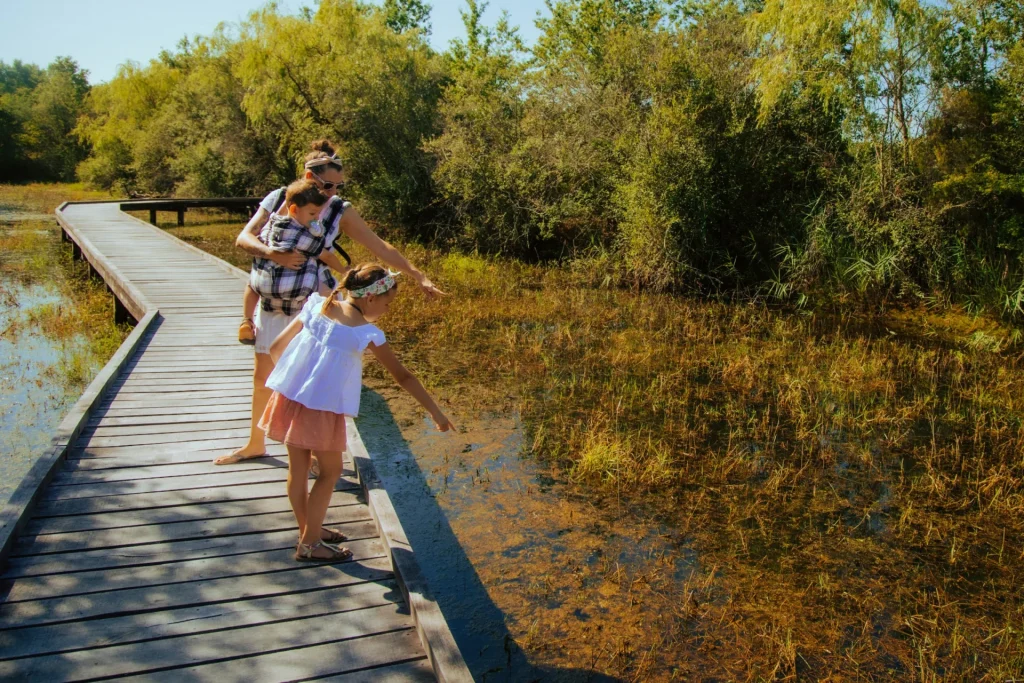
point(475, 621)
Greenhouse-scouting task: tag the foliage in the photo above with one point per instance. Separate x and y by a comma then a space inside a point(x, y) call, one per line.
point(812, 151)
point(39, 109)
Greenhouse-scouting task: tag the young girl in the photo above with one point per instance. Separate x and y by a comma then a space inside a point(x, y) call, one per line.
point(316, 383)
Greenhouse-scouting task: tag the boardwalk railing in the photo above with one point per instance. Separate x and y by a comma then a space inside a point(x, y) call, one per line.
point(180, 206)
point(128, 553)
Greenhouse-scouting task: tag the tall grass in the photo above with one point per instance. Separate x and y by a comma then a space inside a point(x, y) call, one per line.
point(852, 484)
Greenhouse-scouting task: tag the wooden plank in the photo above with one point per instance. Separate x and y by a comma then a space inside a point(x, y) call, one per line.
point(128, 457)
point(158, 453)
point(183, 514)
point(322, 660)
point(81, 506)
point(186, 413)
point(171, 438)
point(121, 630)
point(370, 563)
point(417, 671)
point(220, 369)
point(187, 398)
point(151, 394)
point(73, 472)
point(179, 530)
point(228, 387)
point(156, 597)
point(213, 479)
point(144, 440)
point(248, 641)
point(105, 428)
point(162, 553)
point(235, 377)
point(171, 417)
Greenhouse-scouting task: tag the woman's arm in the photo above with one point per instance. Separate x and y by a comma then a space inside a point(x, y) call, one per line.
point(278, 346)
point(408, 381)
point(353, 225)
point(249, 242)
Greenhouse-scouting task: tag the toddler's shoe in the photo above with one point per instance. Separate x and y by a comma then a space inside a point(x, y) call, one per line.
point(247, 332)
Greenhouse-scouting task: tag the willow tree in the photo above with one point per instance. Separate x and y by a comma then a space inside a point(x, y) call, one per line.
point(869, 58)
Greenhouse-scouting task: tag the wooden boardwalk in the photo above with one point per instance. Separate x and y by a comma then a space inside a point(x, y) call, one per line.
point(136, 557)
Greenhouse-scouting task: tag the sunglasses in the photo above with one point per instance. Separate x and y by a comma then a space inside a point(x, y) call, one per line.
point(326, 185)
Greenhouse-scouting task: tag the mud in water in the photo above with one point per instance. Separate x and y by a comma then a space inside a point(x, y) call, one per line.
point(536, 582)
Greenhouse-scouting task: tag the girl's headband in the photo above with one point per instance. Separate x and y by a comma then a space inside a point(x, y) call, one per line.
point(379, 287)
point(321, 161)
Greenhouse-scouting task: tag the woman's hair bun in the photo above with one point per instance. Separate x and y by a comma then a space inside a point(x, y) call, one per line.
point(324, 145)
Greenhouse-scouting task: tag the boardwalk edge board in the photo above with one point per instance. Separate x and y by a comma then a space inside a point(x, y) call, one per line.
point(442, 651)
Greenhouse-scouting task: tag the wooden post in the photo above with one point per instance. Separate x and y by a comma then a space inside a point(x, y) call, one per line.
point(76, 252)
point(64, 234)
point(152, 216)
point(181, 217)
point(121, 313)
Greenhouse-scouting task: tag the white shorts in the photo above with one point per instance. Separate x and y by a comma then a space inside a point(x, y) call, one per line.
point(268, 326)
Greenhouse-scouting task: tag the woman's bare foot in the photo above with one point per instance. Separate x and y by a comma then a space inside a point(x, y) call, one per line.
point(243, 453)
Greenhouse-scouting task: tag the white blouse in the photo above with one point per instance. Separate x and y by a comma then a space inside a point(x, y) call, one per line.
point(322, 368)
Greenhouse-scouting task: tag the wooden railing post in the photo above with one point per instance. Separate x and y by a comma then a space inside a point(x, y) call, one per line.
point(121, 313)
point(152, 216)
point(181, 217)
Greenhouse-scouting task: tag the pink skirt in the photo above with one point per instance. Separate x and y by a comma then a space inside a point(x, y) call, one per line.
point(294, 424)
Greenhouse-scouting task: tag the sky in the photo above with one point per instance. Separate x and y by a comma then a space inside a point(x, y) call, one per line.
point(100, 34)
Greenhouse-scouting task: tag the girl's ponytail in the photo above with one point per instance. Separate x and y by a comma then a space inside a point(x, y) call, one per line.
point(359, 276)
point(330, 297)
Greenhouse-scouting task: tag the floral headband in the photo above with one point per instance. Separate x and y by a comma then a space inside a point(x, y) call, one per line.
point(321, 161)
point(379, 287)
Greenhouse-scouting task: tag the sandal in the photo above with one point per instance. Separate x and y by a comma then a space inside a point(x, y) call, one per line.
point(247, 332)
point(333, 536)
point(304, 553)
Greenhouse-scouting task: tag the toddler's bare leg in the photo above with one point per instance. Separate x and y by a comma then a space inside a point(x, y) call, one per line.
point(247, 329)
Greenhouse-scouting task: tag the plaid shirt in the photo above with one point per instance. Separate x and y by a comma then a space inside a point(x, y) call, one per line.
point(281, 289)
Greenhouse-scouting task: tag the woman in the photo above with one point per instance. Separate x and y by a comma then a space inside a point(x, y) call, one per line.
point(325, 170)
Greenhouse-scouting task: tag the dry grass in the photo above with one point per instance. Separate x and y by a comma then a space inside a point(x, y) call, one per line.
point(854, 488)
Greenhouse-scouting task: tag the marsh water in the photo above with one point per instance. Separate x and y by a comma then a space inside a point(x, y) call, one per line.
point(536, 581)
point(46, 359)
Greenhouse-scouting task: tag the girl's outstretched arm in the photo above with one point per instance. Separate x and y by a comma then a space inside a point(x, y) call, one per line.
point(353, 225)
point(408, 381)
point(278, 346)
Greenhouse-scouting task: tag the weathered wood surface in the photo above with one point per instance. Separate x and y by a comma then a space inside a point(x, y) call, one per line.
point(138, 558)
